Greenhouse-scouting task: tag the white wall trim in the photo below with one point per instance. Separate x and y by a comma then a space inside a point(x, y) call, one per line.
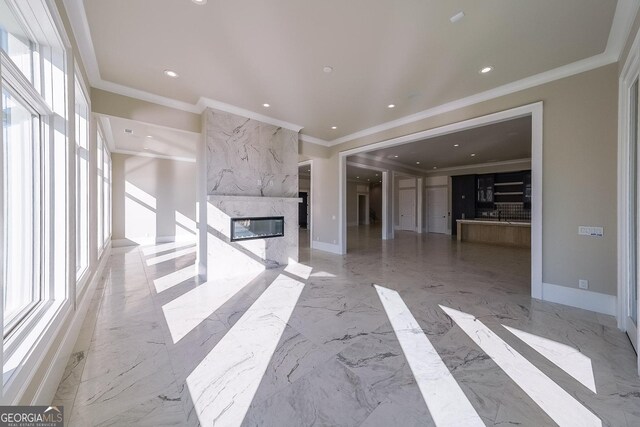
point(365, 166)
point(155, 156)
point(622, 22)
point(146, 96)
point(326, 247)
point(80, 26)
point(309, 197)
point(539, 79)
point(314, 140)
point(534, 110)
point(630, 71)
point(48, 384)
point(522, 162)
point(579, 298)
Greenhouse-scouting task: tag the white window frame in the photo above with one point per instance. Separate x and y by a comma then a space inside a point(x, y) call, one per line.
point(27, 344)
point(83, 276)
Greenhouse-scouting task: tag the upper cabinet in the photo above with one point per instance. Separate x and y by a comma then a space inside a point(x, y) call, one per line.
point(485, 190)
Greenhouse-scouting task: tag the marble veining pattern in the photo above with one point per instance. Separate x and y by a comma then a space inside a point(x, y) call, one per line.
point(246, 157)
point(330, 354)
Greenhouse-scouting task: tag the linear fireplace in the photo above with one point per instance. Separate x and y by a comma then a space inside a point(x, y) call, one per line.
point(256, 228)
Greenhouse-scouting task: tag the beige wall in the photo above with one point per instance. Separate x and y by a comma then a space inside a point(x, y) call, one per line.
point(112, 104)
point(169, 184)
point(579, 176)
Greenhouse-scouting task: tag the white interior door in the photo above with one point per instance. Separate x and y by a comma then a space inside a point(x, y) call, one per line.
point(407, 209)
point(437, 209)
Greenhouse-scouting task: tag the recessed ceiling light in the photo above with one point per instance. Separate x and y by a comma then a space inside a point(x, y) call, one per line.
point(458, 16)
point(334, 127)
point(327, 69)
point(368, 179)
point(435, 167)
point(146, 148)
point(473, 155)
point(170, 73)
point(199, 1)
point(265, 105)
point(357, 177)
point(417, 163)
point(149, 136)
point(456, 145)
point(486, 69)
point(391, 106)
point(395, 157)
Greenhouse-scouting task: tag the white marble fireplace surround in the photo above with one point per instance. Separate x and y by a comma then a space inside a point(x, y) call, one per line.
point(252, 171)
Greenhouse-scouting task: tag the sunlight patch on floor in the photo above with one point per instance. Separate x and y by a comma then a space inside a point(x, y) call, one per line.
point(563, 408)
point(445, 399)
point(223, 385)
point(187, 311)
point(175, 278)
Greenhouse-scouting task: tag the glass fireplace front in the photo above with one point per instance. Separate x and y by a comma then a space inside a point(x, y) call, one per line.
point(256, 228)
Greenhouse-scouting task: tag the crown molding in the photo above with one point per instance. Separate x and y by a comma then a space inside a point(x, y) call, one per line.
point(439, 171)
point(391, 163)
point(548, 76)
point(314, 140)
point(105, 124)
point(80, 27)
point(625, 13)
point(204, 103)
point(155, 156)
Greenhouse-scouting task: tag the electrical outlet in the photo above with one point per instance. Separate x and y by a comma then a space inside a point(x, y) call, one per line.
point(583, 284)
point(590, 231)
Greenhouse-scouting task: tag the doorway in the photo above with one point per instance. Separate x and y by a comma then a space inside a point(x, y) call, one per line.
point(407, 209)
point(370, 153)
point(437, 201)
point(363, 209)
point(303, 210)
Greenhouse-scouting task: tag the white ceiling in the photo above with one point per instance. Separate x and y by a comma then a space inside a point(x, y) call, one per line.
point(149, 139)
point(497, 142)
point(250, 52)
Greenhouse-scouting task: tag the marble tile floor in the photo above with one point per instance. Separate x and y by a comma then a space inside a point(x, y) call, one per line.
point(315, 345)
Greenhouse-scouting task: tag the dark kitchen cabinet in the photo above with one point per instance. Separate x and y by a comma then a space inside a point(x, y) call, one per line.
point(484, 191)
point(463, 199)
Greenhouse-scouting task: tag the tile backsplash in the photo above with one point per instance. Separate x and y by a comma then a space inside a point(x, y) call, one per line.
point(508, 211)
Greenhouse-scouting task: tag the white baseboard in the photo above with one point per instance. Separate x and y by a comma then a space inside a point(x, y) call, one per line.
point(49, 382)
point(580, 298)
point(326, 247)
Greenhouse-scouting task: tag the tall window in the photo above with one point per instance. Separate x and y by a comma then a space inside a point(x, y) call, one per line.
point(82, 181)
point(21, 194)
point(34, 168)
point(106, 192)
point(100, 191)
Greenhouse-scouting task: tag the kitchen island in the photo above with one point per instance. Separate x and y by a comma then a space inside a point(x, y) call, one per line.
point(508, 233)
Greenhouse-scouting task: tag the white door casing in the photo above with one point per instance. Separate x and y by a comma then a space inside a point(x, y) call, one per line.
point(437, 209)
point(407, 209)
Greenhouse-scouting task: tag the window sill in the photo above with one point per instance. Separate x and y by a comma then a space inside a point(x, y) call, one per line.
point(30, 344)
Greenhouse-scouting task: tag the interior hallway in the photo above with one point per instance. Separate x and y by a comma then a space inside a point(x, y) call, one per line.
point(338, 360)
